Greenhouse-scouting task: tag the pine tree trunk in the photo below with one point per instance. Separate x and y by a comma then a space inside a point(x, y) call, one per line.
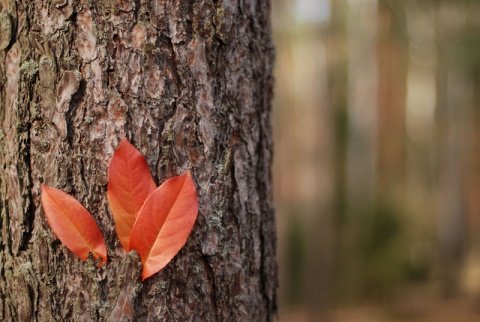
point(190, 84)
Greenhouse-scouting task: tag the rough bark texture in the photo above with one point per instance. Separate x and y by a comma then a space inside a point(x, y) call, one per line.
point(189, 83)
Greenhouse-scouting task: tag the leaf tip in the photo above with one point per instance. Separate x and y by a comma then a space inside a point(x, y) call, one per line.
point(124, 141)
point(103, 258)
point(148, 273)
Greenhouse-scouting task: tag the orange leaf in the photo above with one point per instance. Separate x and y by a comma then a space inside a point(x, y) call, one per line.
point(164, 223)
point(129, 185)
point(73, 224)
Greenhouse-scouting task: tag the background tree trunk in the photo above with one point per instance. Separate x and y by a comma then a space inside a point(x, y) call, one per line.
point(190, 84)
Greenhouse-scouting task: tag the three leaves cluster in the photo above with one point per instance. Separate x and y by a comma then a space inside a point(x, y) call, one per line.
point(155, 222)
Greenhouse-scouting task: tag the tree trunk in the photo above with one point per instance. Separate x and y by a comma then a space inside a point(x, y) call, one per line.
point(190, 84)
point(392, 56)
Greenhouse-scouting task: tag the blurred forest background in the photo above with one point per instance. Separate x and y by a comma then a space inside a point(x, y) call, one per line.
point(377, 159)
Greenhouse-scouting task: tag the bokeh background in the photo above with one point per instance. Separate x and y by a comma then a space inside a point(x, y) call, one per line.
point(377, 159)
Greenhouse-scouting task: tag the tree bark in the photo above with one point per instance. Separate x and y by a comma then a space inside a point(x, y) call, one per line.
point(190, 84)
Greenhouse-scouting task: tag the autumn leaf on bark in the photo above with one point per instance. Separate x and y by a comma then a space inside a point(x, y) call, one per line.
point(164, 223)
point(73, 224)
point(129, 184)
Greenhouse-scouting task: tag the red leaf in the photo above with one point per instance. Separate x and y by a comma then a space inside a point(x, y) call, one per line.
point(73, 224)
point(129, 185)
point(164, 223)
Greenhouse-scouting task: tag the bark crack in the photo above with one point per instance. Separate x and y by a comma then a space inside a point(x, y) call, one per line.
point(211, 280)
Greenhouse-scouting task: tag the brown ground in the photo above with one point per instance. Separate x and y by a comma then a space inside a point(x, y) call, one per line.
point(412, 310)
